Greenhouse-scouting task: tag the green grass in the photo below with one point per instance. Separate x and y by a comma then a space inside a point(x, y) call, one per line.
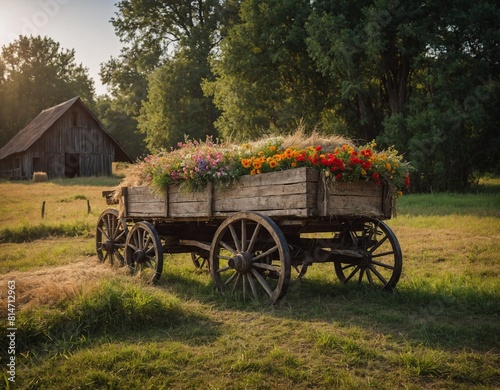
point(439, 329)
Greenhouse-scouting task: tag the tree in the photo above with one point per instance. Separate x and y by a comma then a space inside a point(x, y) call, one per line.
point(35, 73)
point(176, 104)
point(450, 127)
point(121, 126)
point(266, 80)
point(158, 34)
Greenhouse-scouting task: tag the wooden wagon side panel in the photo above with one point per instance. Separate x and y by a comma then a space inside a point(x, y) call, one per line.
point(141, 202)
point(283, 193)
point(300, 193)
point(356, 199)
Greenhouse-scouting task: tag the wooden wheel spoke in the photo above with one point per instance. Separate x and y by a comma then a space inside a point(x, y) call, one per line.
point(243, 235)
point(361, 273)
point(150, 264)
point(104, 233)
point(131, 246)
point(252, 286)
point(267, 266)
point(242, 250)
point(234, 275)
point(378, 274)
point(235, 238)
point(253, 240)
point(223, 269)
point(244, 282)
point(378, 244)
point(238, 275)
point(354, 271)
point(262, 282)
point(369, 276)
point(121, 236)
point(150, 250)
point(383, 265)
point(229, 248)
point(266, 253)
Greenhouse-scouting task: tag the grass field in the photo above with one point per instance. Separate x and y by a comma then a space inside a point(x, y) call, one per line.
point(84, 325)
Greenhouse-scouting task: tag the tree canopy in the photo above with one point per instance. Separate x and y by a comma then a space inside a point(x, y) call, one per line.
point(422, 76)
point(36, 73)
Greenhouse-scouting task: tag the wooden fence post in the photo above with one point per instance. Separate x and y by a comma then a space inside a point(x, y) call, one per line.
point(43, 209)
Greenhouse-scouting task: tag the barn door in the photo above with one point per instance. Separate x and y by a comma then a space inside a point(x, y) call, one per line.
point(71, 164)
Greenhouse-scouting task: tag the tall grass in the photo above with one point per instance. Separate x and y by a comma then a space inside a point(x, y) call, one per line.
point(439, 329)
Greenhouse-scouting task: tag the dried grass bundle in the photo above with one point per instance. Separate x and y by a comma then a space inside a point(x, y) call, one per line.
point(40, 177)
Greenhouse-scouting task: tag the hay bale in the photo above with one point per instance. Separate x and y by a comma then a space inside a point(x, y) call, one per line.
point(40, 176)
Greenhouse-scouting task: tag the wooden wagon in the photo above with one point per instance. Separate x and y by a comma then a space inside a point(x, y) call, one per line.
point(253, 233)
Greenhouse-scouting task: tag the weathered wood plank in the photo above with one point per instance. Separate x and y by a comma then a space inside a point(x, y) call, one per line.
point(294, 193)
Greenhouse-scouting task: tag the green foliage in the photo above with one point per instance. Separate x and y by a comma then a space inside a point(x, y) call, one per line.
point(166, 59)
point(265, 78)
point(176, 105)
point(120, 120)
point(35, 74)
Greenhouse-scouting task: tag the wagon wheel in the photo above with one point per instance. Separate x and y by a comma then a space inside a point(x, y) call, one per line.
point(249, 256)
point(144, 252)
point(111, 233)
point(380, 262)
point(200, 261)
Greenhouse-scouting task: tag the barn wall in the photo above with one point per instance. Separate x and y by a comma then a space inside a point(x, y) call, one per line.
point(76, 134)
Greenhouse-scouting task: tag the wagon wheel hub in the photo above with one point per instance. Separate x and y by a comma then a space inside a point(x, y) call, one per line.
point(139, 256)
point(367, 259)
point(108, 245)
point(242, 262)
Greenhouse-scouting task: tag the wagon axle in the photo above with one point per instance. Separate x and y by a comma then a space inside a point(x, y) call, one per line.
point(108, 245)
point(139, 256)
point(242, 262)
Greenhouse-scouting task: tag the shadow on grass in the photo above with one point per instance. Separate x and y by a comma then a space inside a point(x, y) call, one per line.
point(465, 319)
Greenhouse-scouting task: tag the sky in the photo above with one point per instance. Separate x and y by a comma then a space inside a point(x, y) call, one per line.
point(82, 25)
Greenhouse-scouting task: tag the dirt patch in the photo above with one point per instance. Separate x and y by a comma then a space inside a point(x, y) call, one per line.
point(51, 284)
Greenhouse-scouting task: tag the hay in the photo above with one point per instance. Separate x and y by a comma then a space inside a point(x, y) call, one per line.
point(301, 140)
point(40, 176)
point(135, 177)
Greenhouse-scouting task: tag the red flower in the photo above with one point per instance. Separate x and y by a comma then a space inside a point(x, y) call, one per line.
point(366, 153)
point(407, 180)
point(318, 148)
point(338, 176)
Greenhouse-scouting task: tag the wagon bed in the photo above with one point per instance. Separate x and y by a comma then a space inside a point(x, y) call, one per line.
point(253, 232)
point(294, 193)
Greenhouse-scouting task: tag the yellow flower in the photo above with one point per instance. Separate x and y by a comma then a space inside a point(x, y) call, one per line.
point(278, 157)
point(363, 172)
point(273, 164)
point(294, 164)
point(272, 148)
point(388, 167)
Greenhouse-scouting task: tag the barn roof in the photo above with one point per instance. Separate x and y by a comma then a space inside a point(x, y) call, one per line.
point(26, 137)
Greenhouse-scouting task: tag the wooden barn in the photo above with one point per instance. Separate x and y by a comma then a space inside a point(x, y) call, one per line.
point(64, 141)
